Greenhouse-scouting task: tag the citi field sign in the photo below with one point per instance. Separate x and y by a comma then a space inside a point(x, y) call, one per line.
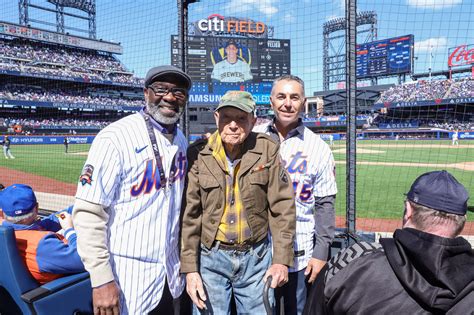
point(461, 55)
point(220, 24)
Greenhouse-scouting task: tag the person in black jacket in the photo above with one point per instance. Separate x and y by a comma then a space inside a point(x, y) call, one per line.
point(424, 269)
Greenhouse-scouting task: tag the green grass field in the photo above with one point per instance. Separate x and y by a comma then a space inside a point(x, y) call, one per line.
point(380, 188)
point(48, 160)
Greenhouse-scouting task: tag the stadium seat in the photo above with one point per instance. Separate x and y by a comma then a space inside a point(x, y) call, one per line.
point(343, 239)
point(21, 294)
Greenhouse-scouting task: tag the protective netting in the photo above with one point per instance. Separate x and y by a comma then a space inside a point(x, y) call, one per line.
point(415, 84)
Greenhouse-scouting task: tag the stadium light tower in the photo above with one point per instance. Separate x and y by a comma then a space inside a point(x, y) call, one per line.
point(334, 69)
point(431, 61)
point(87, 6)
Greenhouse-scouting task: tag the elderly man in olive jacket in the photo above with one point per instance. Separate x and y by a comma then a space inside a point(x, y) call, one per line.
point(237, 192)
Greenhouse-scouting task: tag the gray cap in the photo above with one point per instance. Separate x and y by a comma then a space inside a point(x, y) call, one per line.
point(238, 99)
point(167, 73)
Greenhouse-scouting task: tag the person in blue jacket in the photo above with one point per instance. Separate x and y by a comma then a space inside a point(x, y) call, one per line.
point(48, 245)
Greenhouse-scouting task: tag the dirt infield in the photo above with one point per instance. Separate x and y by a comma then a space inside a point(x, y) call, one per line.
point(414, 145)
point(79, 153)
point(359, 151)
point(38, 183)
point(387, 225)
point(362, 149)
point(465, 166)
point(409, 145)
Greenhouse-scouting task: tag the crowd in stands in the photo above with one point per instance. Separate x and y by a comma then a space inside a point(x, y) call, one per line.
point(39, 123)
point(313, 116)
point(450, 124)
point(397, 93)
point(34, 58)
point(38, 94)
point(462, 88)
point(429, 90)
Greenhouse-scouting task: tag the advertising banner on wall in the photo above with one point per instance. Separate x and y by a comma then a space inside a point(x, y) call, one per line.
point(50, 140)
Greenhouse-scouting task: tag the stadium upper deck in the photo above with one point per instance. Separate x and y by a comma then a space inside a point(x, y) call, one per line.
point(52, 88)
point(23, 57)
point(89, 95)
point(429, 90)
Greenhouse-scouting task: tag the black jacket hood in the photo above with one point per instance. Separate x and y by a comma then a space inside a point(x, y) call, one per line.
point(437, 272)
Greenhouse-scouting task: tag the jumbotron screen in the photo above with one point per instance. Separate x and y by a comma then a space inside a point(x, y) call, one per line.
point(218, 64)
point(390, 56)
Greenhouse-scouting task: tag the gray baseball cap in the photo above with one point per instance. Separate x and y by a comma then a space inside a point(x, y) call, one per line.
point(238, 99)
point(166, 73)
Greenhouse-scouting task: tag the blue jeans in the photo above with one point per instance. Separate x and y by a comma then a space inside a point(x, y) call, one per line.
point(293, 293)
point(224, 272)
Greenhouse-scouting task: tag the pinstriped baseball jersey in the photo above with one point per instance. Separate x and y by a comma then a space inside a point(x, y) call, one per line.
point(310, 163)
point(143, 226)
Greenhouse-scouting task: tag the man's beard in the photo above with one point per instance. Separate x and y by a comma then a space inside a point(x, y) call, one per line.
point(154, 111)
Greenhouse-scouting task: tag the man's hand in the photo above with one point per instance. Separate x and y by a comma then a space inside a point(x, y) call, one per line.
point(314, 267)
point(195, 289)
point(65, 220)
point(106, 299)
point(279, 275)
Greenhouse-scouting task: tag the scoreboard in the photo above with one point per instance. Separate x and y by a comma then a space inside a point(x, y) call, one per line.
point(390, 56)
point(267, 58)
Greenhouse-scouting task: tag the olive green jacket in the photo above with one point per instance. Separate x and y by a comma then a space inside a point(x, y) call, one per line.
point(266, 193)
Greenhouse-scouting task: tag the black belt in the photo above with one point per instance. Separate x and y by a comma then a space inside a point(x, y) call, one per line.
point(239, 247)
point(236, 247)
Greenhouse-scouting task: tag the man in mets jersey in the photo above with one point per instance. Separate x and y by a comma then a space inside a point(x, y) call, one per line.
point(311, 166)
point(128, 203)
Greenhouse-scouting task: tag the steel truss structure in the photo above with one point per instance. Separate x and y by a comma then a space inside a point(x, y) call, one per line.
point(86, 6)
point(334, 44)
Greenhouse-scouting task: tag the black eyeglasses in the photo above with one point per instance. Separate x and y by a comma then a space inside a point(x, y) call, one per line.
point(178, 93)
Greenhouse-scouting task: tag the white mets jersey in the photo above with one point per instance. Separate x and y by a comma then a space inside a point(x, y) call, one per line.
point(310, 163)
point(143, 227)
point(225, 71)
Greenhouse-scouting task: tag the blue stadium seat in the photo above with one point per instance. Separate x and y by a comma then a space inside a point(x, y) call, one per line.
point(21, 294)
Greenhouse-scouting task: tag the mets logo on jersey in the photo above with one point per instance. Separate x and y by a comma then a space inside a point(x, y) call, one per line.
point(86, 177)
point(298, 169)
point(150, 178)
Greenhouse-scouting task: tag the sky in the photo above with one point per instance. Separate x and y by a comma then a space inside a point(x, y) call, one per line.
point(144, 27)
